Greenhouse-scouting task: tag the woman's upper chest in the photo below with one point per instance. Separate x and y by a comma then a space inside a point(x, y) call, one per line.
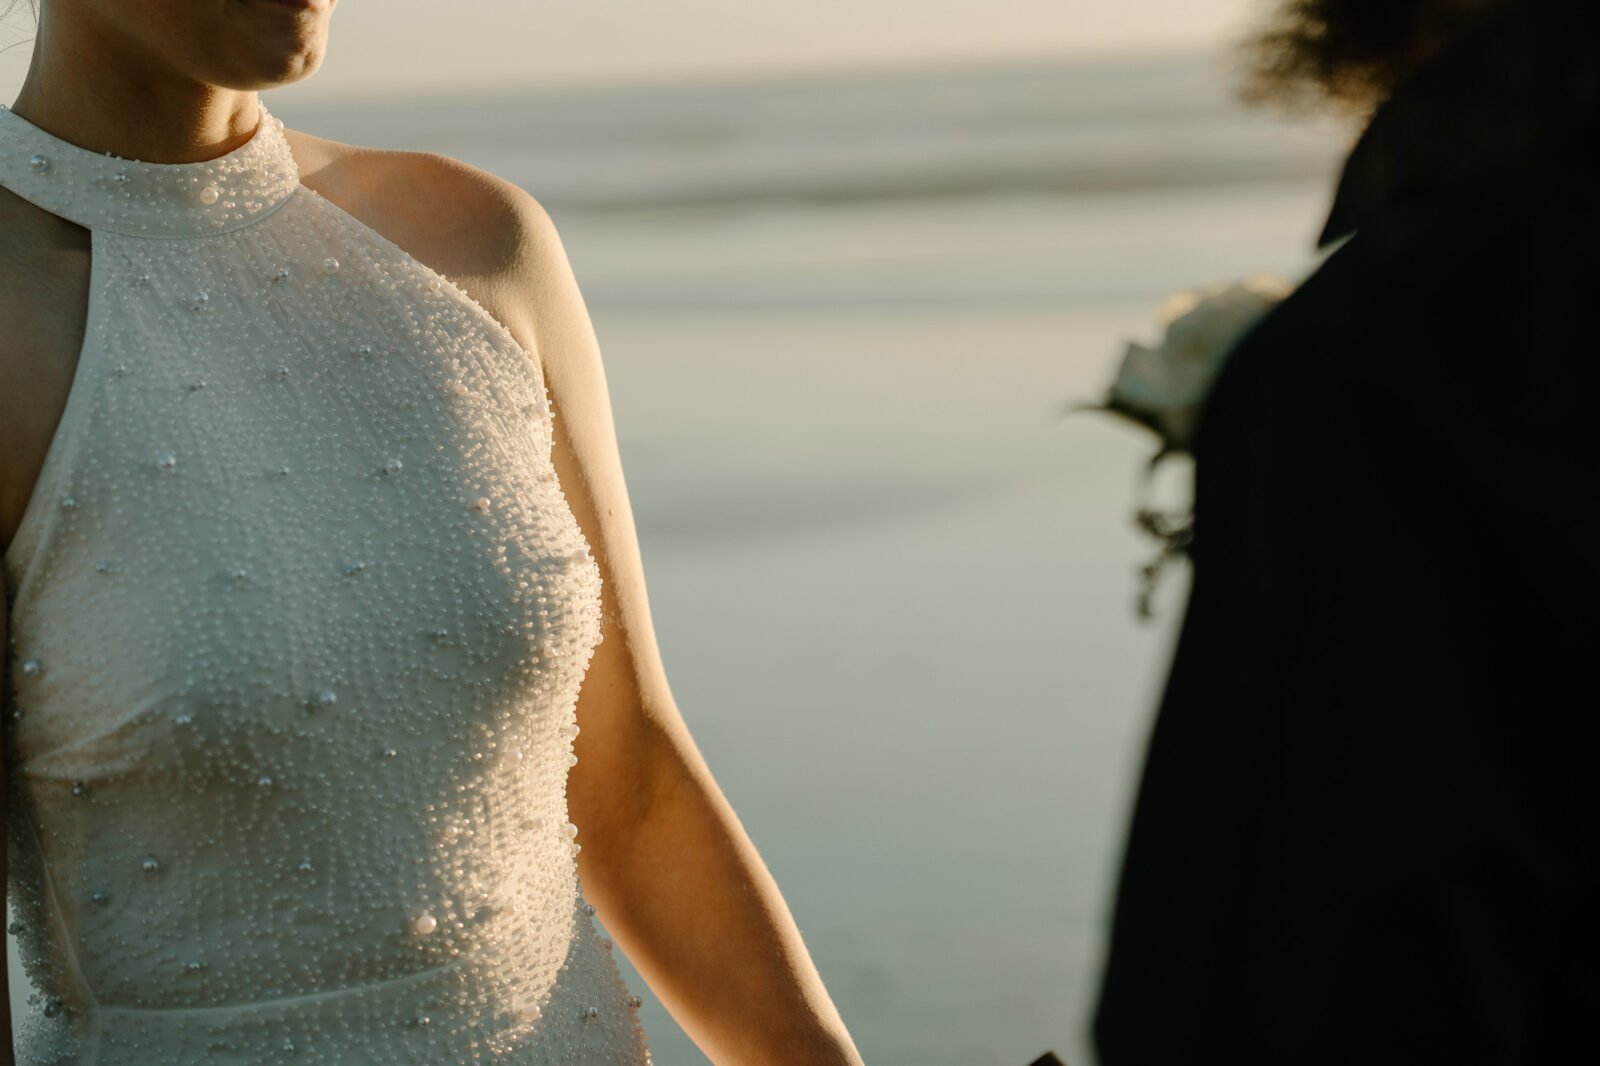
point(46, 276)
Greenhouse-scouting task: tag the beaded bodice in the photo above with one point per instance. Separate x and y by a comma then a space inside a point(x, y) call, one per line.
point(298, 617)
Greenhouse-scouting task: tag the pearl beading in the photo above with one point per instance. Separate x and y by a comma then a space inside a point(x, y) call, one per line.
point(106, 192)
point(299, 614)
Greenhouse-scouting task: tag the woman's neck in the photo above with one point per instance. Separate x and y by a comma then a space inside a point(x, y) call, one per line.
point(89, 86)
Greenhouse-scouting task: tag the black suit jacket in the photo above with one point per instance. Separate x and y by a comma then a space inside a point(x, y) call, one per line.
point(1366, 830)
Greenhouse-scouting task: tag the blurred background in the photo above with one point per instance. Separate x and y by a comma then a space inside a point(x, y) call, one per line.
point(847, 261)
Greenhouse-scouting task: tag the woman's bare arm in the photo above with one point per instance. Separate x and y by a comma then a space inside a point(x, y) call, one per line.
point(665, 860)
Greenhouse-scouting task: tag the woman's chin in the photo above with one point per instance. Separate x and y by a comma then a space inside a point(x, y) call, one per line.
point(278, 41)
point(268, 70)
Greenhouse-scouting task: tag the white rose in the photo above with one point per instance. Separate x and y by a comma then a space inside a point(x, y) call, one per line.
point(1164, 387)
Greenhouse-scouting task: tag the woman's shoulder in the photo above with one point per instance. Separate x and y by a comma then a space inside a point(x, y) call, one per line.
point(483, 232)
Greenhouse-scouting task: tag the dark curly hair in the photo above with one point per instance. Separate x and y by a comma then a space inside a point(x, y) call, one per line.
point(1348, 54)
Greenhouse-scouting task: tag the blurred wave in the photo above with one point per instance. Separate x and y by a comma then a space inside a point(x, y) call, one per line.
point(1070, 183)
point(1059, 127)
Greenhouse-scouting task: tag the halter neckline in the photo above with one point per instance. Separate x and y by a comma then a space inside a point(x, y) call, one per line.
point(107, 192)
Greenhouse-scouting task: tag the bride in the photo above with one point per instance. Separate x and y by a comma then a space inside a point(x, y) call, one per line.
point(330, 667)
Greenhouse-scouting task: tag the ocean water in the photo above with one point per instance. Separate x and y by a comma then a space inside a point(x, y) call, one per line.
point(893, 585)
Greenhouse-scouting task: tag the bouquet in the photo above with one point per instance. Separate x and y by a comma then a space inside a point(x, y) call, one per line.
point(1164, 389)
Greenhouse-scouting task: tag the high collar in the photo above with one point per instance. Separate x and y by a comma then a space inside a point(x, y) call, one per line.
point(107, 192)
point(1514, 95)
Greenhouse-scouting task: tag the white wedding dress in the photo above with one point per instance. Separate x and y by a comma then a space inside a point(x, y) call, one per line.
point(298, 617)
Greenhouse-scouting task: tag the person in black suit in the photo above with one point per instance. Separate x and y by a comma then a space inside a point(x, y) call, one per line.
point(1366, 830)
